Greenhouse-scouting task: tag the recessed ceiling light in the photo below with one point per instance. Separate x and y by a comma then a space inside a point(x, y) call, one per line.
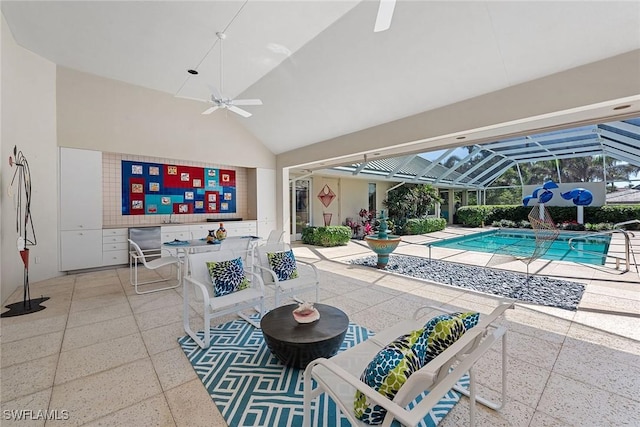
point(376, 154)
point(194, 72)
point(461, 137)
point(621, 107)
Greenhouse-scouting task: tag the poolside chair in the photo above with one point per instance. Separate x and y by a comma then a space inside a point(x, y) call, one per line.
point(151, 260)
point(235, 289)
point(340, 376)
point(289, 276)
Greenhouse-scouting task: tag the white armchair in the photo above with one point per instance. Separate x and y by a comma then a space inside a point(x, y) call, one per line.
point(307, 274)
point(138, 256)
point(339, 376)
point(198, 281)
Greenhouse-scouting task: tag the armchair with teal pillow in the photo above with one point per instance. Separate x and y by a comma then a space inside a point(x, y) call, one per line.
point(287, 276)
point(219, 282)
point(383, 381)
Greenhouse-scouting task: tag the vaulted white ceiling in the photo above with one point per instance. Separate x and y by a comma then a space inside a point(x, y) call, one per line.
point(318, 67)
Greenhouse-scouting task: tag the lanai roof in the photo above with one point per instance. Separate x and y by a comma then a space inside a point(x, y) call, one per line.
point(619, 140)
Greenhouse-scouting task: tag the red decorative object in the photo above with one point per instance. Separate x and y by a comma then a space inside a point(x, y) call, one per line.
point(326, 196)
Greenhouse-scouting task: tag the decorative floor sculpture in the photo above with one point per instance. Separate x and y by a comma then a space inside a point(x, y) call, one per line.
point(24, 224)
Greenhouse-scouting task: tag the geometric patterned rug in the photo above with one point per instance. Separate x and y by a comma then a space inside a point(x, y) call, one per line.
point(251, 387)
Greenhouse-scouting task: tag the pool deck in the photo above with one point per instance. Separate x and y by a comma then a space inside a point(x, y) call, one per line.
point(611, 301)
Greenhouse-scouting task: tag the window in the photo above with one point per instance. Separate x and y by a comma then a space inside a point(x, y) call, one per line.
point(372, 197)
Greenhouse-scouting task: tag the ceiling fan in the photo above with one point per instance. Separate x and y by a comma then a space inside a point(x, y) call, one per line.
point(385, 13)
point(219, 101)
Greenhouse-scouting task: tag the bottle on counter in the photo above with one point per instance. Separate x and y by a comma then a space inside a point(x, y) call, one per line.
point(221, 233)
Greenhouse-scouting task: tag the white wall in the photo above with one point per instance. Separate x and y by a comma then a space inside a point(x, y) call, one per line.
point(96, 113)
point(44, 107)
point(352, 195)
point(28, 121)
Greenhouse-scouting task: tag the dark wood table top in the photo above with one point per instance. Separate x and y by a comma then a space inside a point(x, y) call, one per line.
point(279, 324)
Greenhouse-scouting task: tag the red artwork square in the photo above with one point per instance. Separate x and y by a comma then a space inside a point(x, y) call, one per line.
point(182, 208)
point(212, 201)
point(227, 178)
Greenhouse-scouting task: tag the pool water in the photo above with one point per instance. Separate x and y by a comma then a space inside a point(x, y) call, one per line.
point(521, 243)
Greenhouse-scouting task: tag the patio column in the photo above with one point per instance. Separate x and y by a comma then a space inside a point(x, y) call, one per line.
point(452, 195)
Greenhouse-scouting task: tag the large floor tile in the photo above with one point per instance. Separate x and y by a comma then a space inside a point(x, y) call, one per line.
point(99, 314)
point(94, 333)
point(153, 301)
point(27, 349)
point(192, 406)
point(19, 408)
point(93, 397)
point(164, 337)
point(27, 378)
point(13, 331)
point(580, 404)
point(150, 412)
point(610, 370)
point(99, 357)
point(173, 368)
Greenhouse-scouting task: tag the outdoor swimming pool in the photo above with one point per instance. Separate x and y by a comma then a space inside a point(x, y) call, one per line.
point(521, 243)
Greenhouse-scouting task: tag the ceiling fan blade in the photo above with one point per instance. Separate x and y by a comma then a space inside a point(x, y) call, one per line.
point(210, 110)
point(239, 111)
point(245, 102)
point(385, 13)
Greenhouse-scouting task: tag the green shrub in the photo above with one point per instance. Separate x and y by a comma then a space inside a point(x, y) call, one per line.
point(474, 216)
point(424, 225)
point(333, 235)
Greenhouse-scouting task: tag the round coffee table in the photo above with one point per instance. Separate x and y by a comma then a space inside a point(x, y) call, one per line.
point(296, 344)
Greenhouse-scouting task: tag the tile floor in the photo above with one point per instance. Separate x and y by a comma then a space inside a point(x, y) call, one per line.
point(101, 355)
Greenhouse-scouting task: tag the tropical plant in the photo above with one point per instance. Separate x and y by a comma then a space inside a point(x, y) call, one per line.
point(411, 201)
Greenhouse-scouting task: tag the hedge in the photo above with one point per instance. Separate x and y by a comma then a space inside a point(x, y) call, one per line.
point(424, 225)
point(333, 235)
point(475, 216)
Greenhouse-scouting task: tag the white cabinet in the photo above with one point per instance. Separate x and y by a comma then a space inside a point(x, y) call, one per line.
point(80, 189)
point(202, 230)
point(115, 247)
point(80, 249)
point(265, 201)
point(239, 228)
point(80, 209)
point(170, 233)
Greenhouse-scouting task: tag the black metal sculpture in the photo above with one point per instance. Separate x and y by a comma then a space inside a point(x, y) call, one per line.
point(23, 225)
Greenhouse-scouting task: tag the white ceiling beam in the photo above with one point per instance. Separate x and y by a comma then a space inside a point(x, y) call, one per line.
point(476, 167)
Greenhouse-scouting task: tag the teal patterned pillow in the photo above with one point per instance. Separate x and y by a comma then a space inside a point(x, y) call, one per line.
point(283, 264)
point(445, 329)
point(388, 371)
point(227, 276)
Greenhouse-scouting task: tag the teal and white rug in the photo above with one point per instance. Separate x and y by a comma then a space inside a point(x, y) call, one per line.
point(251, 387)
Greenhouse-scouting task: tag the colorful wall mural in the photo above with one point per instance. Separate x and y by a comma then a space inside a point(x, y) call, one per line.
point(155, 188)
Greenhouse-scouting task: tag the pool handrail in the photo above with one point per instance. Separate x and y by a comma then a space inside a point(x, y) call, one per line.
point(627, 245)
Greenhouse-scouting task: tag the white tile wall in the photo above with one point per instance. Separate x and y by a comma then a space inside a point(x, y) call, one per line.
point(112, 192)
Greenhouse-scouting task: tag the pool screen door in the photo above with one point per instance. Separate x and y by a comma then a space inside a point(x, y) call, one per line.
point(300, 208)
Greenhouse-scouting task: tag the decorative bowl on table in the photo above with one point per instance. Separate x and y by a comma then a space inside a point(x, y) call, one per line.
point(306, 313)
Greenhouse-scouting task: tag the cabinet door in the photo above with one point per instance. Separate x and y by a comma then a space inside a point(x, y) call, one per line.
point(80, 189)
point(80, 249)
point(266, 201)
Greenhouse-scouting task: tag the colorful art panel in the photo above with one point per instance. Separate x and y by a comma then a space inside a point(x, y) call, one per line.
point(161, 189)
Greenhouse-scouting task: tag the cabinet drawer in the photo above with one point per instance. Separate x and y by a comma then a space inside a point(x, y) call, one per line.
point(115, 257)
point(111, 232)
point(119, 246)
point(114, 239)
